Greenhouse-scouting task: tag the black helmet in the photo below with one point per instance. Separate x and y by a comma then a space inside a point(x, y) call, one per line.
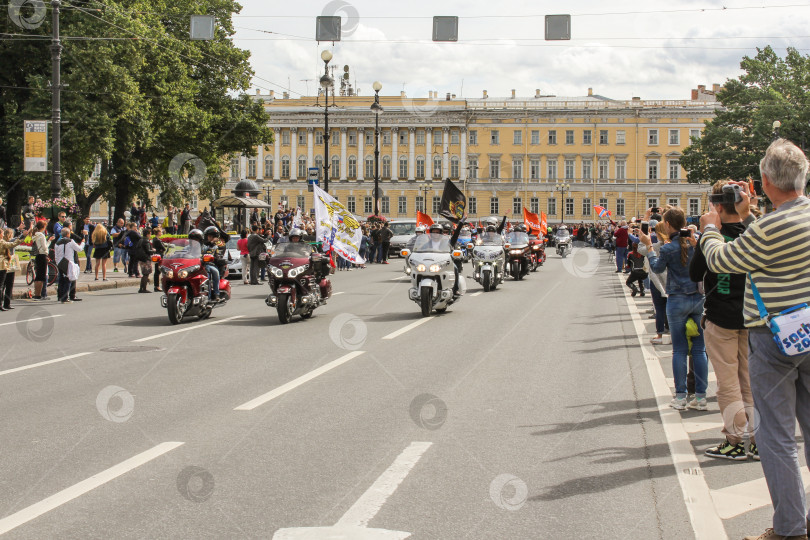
point(447, 228)
point(211, 231)
point(196, 234)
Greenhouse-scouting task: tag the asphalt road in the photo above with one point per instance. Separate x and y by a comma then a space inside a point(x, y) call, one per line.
point(526, 412)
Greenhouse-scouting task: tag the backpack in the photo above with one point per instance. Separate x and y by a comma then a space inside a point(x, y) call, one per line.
point(166, 221)
point(34, 247)
point(127, 242)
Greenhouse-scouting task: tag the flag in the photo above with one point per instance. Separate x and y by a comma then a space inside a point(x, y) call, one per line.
point(337, 228)
point(543, 223)
point(454, 203)
point(601, 211)
point(423, 219)
point(532, 222)
point(298, 220)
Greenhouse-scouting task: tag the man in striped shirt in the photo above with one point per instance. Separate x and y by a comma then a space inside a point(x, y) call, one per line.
point(774, 251)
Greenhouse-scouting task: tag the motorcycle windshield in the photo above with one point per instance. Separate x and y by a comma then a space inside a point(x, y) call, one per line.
point(191, 251)
point(491, 239)
point(517, 238)
point(563, 235)
point(293, 249)
point(432, 243)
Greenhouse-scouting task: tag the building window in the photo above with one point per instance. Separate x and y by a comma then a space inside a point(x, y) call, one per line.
point(620, 136)
point(235, 167)
point(437, 136)
point(319, 137)
point(402, 205)
point(493, 206)
point(420, 136)
point(368, 205)
point(569, 206)
point(674, 169)
point(437, 166)
point(302, 138)
point(535, 136)
point(534, 169)
point(652, 203)
point(352, 137)
point(674, 136)
point(517, 137)
point(569, 169)
point(335, 138)
point(621, 169)
point(454, 167)
point(552, 206)
point(454, 136)
point(251, 172)
point(603, 202)
point(517, 206)
point(652, 169)
point(403, 167)
point(569, 136)
point(335, 167)
point(586, 207)
point(552, 169)
point(603, 169)
point(369, 167)
point(694, 207)
point(285, 167)
point(420, 203)
point(403, 137)
point(319, 165)
point(586, 137)
point(369, 137)
point(494, 137)
point(472, 205)
point(603, 136)
point(420, 167)
point(386, 167)
point(494, 168)
point(674, 202)
point(694, 134)
point(619, 207)
point(473, 167)
point(534, 205)
point(285, 137)
point(351, 205)
point(652, 136)
point(386, 137)
point(473, 135)
point(302, 167)
point(352, 167)
point(437, 204)
point(587, 165)
point(552, 136)
point(301, 200)
point(385, 204)
point(517, 168)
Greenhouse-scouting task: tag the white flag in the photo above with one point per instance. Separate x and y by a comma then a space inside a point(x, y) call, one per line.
point(298, 220)
point(337, 228)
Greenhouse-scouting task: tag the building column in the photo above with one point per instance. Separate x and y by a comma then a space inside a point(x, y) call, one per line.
point(463, 173)
point(394, 158)
point(428, 154)
point(411, 153)
point(445, 153)
point(260, 162)
point(310, 147)
point(361, 147)
point(242, 166)
point(277, 155)
point(293, 153)
point(343, 154)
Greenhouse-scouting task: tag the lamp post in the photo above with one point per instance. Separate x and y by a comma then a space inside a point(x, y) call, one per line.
point(326, 82)
point(427, 186)
point(776, 125)
point(563, 188)
point(377, 109)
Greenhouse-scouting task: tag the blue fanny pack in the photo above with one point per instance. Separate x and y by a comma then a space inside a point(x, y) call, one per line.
point(790, 328)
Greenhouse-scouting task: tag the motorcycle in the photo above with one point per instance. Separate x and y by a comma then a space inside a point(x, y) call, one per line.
point(564, 245)
point(463, 244)
point(298, 281)
point(518, 254)
point(187, 285)
point(488, 260)
point(538, 251)
point(433, 274)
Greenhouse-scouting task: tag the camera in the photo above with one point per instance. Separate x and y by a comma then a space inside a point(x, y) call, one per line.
point(685, 233)
point(732, 194)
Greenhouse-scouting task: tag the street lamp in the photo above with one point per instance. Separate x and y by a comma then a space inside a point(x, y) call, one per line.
point(377, 109)
point(326, 82)
point(427, 186)
point(563, 188)
point(776, 125)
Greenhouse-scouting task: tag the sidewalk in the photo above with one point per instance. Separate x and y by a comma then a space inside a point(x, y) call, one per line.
point(87, 282)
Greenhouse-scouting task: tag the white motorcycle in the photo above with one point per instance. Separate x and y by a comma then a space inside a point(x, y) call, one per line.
point(433, 274)
point(564, 245)
point(488, 260)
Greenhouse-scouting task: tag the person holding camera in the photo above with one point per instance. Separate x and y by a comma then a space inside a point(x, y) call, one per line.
point(684, 302)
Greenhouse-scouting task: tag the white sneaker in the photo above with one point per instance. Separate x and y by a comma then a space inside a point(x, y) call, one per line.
point(679, 404)
point(699, 404)
point(651, 310)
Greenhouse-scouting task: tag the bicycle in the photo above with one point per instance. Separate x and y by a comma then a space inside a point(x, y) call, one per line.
point(53, 272)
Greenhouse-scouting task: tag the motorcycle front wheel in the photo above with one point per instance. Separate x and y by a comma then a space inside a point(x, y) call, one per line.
point(283, 309)
point(486, 281)
point(426, 301)
point(176, 309)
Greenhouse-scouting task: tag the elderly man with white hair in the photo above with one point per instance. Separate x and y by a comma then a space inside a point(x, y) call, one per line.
point(773, 253)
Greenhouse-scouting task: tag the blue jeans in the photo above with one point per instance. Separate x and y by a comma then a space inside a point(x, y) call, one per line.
point(213, 277)
point(660, 305)
point(88, 253)
point(681, 307)
point(120, 254)
point(621, 257)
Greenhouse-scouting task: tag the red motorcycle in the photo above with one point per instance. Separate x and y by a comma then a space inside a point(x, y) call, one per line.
point(538, 251)
point(186, 283)
point(518, 254)
point(298, 281)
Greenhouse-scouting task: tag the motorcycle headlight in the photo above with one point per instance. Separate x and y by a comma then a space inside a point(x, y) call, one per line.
point(435, 267)
point(536, 247)
point(277, 272)
point(420, 267)
point(516, 251)
point(297, 271)
point(183, 274)
point(169, 272)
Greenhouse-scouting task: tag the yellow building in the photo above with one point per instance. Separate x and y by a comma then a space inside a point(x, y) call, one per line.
point(559, 155)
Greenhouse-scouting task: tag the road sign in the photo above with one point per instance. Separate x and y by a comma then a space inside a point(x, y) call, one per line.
point(202, 27)
point(313, 178)
point(36, 145)
point(327, 28)
point(558, 27)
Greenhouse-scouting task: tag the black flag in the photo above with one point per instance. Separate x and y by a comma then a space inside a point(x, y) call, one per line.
point(454, 203)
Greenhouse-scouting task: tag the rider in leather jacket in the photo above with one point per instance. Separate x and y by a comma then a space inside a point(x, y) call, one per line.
point(217, 268)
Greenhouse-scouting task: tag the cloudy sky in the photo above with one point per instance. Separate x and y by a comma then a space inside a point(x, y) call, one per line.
point(654, 49)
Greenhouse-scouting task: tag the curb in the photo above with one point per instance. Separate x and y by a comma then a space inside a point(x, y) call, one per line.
point(82, 287)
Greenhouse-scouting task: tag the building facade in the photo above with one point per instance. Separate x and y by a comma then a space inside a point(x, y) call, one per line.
point(559, 155)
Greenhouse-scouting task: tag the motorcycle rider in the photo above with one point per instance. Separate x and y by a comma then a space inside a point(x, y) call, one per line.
point(211, 247)
point(435, 234)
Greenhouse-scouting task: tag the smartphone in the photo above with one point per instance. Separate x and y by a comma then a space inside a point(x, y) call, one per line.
point(655, 210)
point(758, 187)
point(645, 228)
point(685, 233)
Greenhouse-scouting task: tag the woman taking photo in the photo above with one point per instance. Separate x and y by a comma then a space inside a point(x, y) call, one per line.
point(8, 265)
point(684, 301)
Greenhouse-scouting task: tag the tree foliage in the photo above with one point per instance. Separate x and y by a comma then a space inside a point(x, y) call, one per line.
point(772, 88)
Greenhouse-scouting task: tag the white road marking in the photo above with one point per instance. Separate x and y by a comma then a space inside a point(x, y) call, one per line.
point(337, 293)
point(354, 523)
point(408, 328)
point(706, 521)
point(283, 389)
point(738, 499)
point(34, 319)
point(66, 495)
point(400, 277)
point(195, 327)
point(476, 293)
point(45, 363)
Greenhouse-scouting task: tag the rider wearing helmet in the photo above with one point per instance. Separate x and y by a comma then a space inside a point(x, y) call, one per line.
point(295, 234)
point(420, 230)
point(211, 247)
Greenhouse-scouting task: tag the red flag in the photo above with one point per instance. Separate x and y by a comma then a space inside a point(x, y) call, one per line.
point(532, 222)
point(423, 219)
point(543, 223)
